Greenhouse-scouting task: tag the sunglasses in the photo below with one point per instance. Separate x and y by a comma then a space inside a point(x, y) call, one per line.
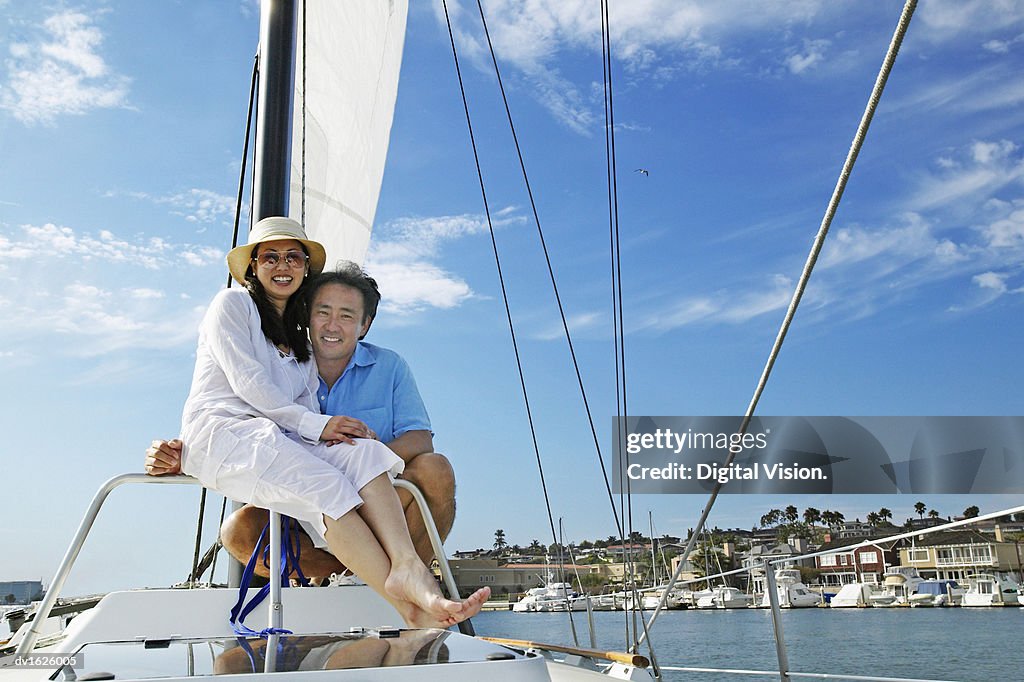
point(270, 259)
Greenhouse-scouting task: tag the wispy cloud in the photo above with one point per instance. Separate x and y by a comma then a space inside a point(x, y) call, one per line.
point(64, 242)
point(201, 206)
point(61, 73)
point(989, 287)
point(974, 175)
point(532, 38)
point(946, 20)
point(578, 323)
point(953, 227)
point(85, 320)
point(726, 306)
point(812, 54)
point(991, 88)
point(405, 255)
point(78, 313)
point(1006, 230)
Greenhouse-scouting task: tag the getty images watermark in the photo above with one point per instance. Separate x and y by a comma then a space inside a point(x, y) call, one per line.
point(794, 455)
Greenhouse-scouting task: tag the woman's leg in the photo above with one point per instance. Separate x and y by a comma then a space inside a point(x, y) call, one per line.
point(373, 541)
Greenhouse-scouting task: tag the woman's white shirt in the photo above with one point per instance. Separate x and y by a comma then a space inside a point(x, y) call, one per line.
point(240, 374)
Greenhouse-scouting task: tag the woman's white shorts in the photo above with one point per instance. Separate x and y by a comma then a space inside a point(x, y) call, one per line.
point(267, 468)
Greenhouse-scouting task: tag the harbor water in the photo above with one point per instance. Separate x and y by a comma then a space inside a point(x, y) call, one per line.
point(961, 644)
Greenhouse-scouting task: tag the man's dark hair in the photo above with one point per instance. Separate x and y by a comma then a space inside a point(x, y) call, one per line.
point(349, 274)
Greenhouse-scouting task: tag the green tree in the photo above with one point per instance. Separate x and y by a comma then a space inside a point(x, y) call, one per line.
point(872, 519)
point(933, 514)
point(592, 580)
point(884, 515)
point(499, 541)
point(811, 516)
point(772, 518)
point(971, 512)
point(832, 519)
point(920, 508)
point(792, 514)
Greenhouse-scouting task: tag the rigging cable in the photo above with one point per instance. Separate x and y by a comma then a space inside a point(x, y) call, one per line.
point(551, 272)
point(302, 185)
point(812, 257)
point(619, 330)
point(234, 242)
point(504, 294)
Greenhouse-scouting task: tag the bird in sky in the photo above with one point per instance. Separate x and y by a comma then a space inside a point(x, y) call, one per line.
point(642, 170)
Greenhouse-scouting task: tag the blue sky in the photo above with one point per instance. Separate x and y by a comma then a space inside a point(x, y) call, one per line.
point(121, 127)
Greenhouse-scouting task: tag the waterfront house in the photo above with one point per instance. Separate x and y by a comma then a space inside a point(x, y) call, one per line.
point(505, 578)
point(957, 554)
point(861, 565)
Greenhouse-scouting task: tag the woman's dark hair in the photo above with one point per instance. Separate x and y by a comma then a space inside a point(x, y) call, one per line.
point(290, 329)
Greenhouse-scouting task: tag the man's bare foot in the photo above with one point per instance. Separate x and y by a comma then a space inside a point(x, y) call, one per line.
point(411, 582)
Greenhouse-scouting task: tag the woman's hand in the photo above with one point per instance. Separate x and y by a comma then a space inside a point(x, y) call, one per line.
point(342, 429)
point(163, 457)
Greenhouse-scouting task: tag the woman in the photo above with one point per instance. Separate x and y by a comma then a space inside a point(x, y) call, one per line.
point(254, 432)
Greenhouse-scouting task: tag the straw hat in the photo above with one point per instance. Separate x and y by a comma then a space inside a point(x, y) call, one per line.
point(268, 230)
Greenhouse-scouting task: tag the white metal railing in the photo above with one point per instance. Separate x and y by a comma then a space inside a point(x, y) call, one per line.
point(274, 617)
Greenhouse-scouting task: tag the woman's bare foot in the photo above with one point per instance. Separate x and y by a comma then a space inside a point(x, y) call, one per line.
point(470, 606)
point(411, 582)
point(416, 617)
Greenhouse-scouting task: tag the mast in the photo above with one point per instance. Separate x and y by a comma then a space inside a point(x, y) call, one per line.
point(273, 153)
point(272, 167)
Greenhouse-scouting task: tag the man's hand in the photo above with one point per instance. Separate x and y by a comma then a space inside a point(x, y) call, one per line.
point(163, 457)
point(342, 429)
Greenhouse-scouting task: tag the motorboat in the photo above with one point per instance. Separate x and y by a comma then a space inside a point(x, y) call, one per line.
point(858, 595)
point(550, 597)
point(792, 592)
point(725, 597)
point(898, 584)
point(991, 589)
point(937, 593)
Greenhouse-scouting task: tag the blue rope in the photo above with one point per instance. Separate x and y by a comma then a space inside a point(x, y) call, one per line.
point(291, 551)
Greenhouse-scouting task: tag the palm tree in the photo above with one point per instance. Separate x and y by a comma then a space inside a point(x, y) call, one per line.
point(499, 540)
point(884, 514)
point(772, 518)
point(811, 516)
point(971, 512)
point(872, 519)
point(792, 514)
point(933, 514)
point(920, 508)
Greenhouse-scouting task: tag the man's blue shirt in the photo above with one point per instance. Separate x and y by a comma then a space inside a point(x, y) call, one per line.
point(378, 388)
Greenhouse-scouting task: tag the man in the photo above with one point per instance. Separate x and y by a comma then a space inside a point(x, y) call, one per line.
point(373, 389)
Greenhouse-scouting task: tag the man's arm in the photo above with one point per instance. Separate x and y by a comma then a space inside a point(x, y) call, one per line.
point(411, 444)
point(163, 457)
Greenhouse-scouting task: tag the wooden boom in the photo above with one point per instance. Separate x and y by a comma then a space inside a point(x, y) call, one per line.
point(635, 660)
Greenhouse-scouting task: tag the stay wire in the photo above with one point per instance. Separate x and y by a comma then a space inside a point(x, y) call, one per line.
point(234, 242)
point(551, 271)
point(812, 257)
point(504, 293)
point(618, 316)
point(620, 307)
point(302, 185)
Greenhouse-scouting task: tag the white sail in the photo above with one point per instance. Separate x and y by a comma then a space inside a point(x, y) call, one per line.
point(351, 86)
